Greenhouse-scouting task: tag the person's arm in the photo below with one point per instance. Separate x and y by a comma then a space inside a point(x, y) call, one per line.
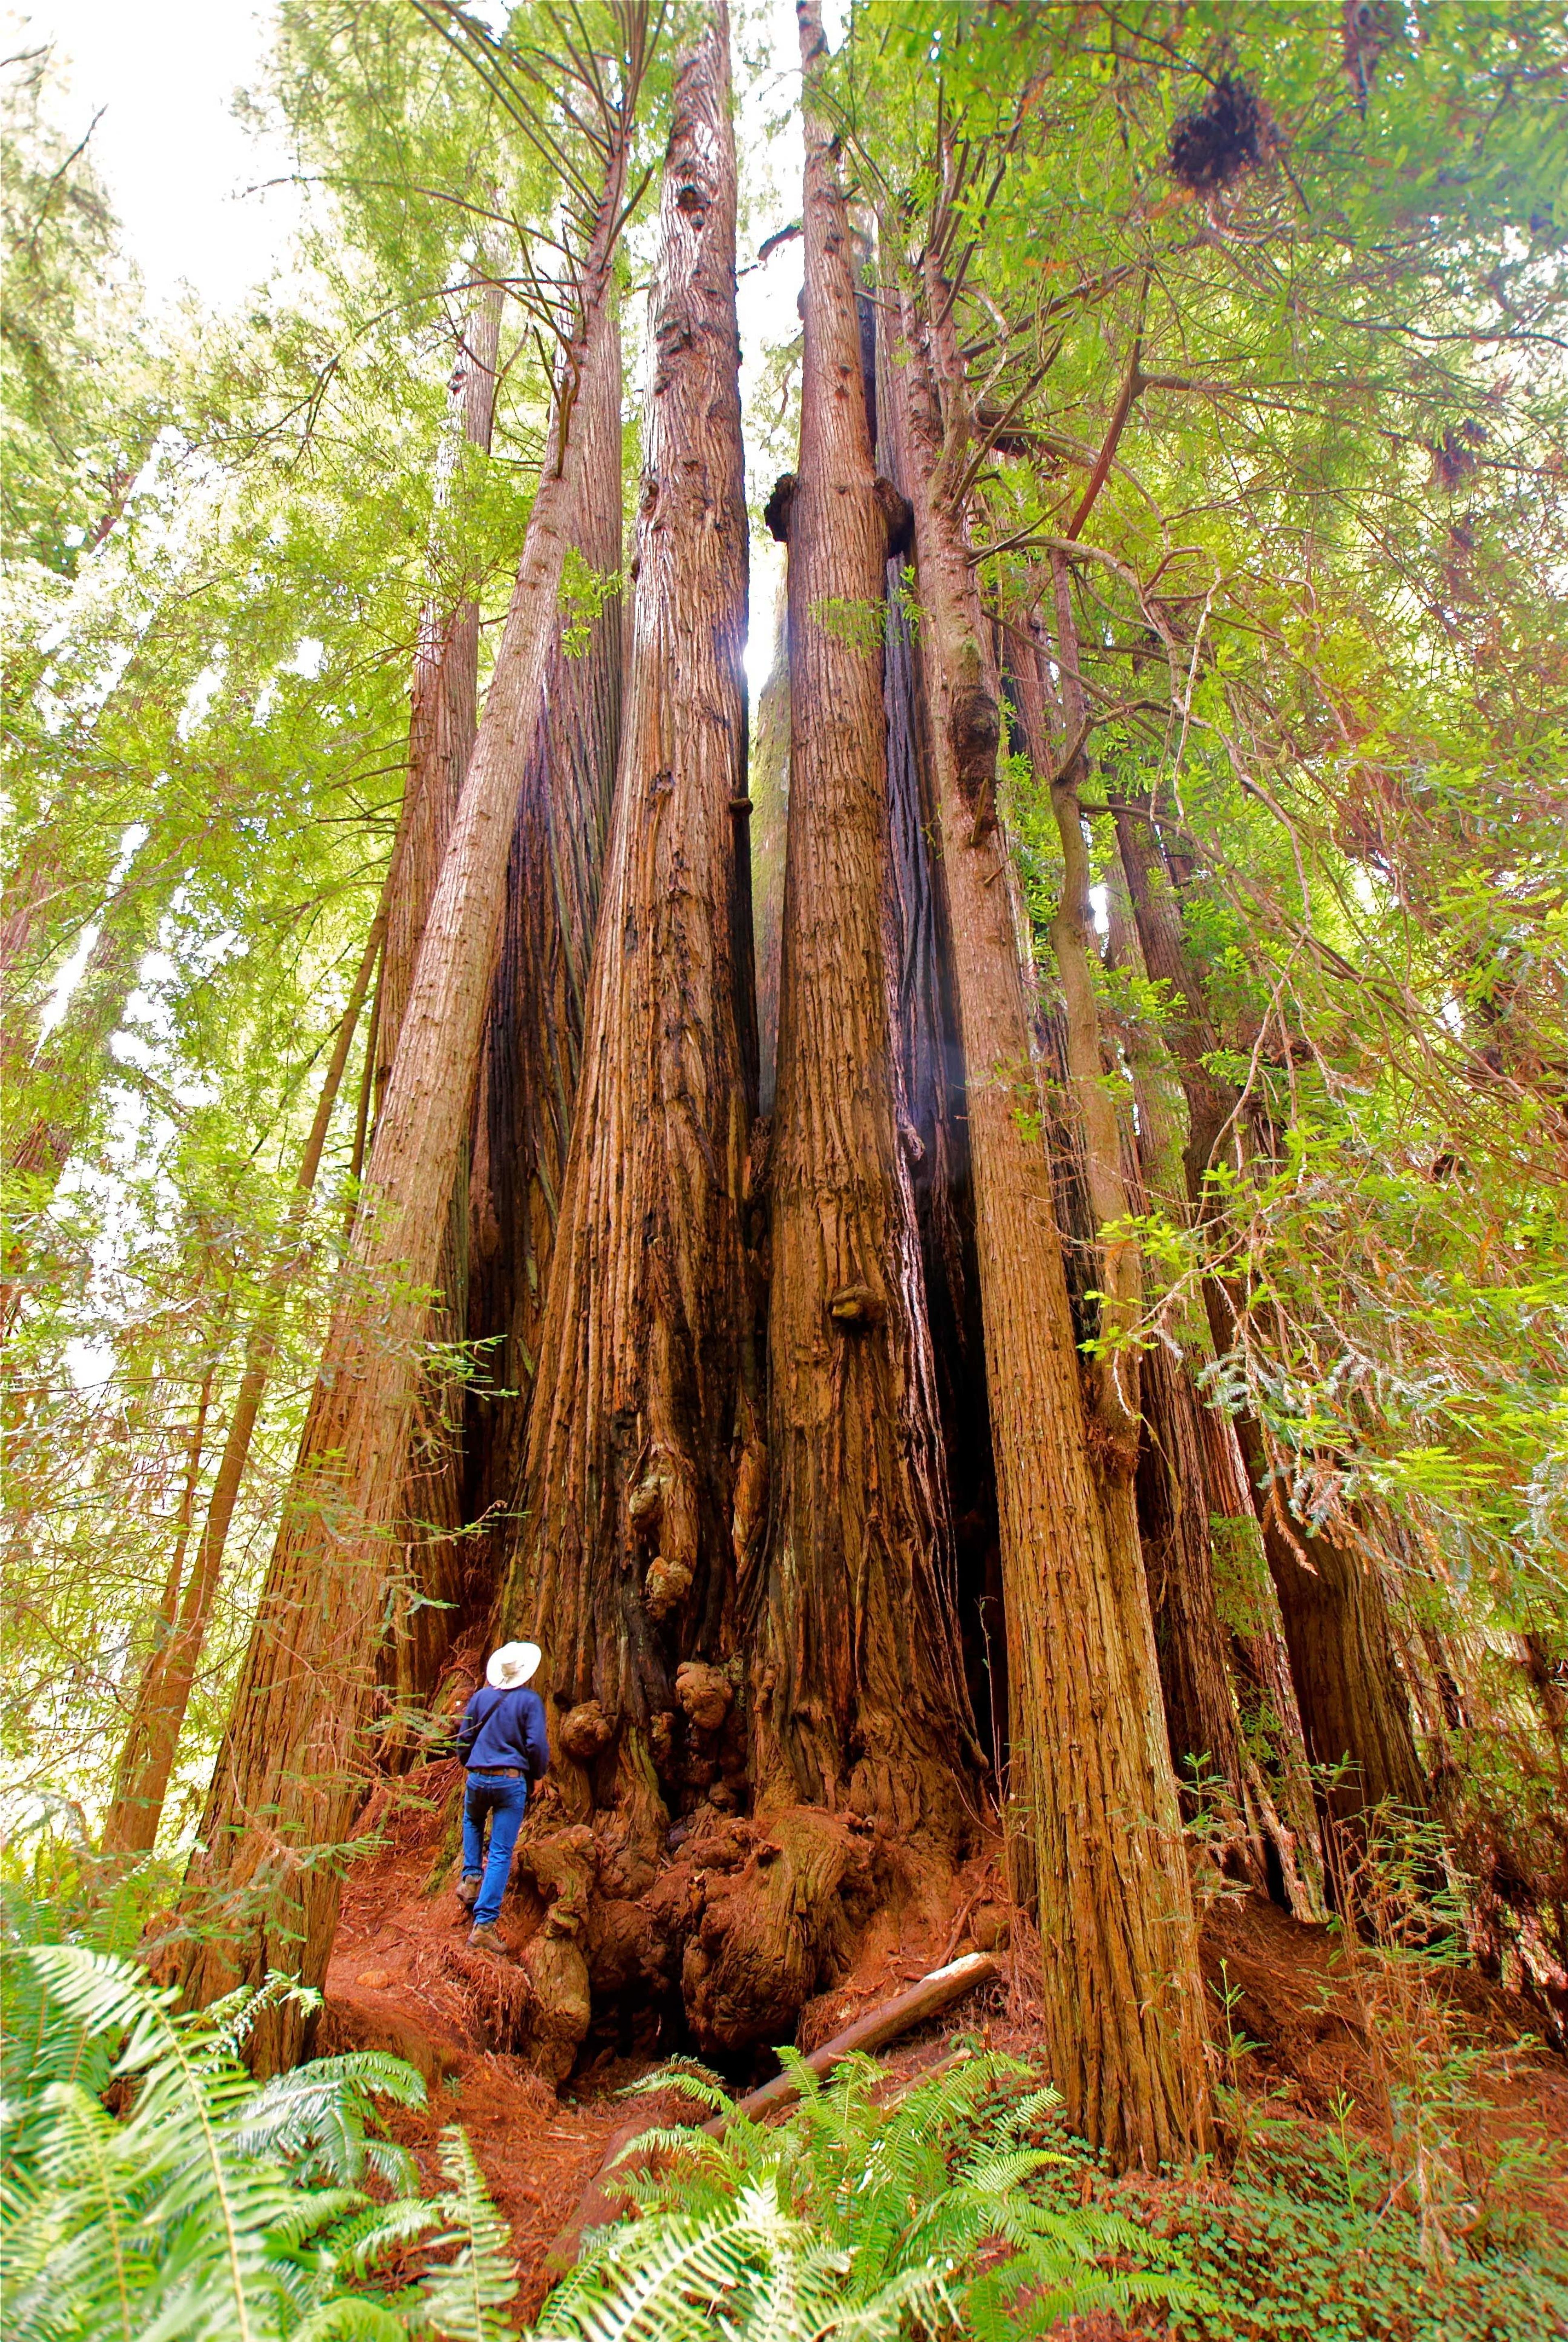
point(468, 1727)
point(538, 1740)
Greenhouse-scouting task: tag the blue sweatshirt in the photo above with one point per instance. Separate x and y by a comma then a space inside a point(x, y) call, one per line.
point(504, 1727)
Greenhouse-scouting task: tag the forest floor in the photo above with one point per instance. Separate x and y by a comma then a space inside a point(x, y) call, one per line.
point(1311, 2044)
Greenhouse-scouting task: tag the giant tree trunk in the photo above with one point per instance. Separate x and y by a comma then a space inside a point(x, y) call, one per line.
point(643, 1470)
point(859, 1711)
point(1124, 2019)
point(292, 1766)
point(533, 1037)
point(1335, 1615)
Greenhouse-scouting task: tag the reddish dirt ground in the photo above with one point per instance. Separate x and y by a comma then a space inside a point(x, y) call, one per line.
point(402, 1978)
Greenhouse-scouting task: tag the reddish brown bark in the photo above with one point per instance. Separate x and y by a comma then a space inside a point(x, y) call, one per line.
point(442, 721)
point(533, 1037)
point(637, 1460)
point(1124, 2002)
point(292, 1766)
point(644, 1475)
point(1353, 1704)
point(857, 1694)
point(768, 788)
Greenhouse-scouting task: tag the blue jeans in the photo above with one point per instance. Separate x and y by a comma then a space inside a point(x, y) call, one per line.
point(503, 1801)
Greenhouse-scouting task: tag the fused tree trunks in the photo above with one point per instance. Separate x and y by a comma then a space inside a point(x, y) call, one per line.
point(534, 1035)
point(859, 1700)
point(1353, 1707)
point(643, 1484)
point(641, 1467)
point(292, 1765)
point(1124, 2019)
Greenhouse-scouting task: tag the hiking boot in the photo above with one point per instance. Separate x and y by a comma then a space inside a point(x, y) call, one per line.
point(468, 1893)
point(485, 1939)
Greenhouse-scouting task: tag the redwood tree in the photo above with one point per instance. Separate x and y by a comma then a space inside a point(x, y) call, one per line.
point(1123, 1997)
point(859, 1711)
point(443, 720)
point(533, 1034)
point(644, 1468)
point(290, 1770)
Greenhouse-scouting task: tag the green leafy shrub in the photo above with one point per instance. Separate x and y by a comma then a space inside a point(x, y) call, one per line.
point(1315, 2241)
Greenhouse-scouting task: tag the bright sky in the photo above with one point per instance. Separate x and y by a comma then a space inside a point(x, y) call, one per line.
point(174, 159)
point(189, 183)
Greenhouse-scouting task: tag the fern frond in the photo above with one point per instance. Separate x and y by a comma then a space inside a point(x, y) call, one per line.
point(315, 2118)
point(461, 2299)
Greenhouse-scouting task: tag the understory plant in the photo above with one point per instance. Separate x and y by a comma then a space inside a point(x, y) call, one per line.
point(860, 2215)
point(213, 2204)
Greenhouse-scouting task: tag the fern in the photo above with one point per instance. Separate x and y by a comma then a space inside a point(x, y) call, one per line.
point(464, 2299)
point(856, 2217)
point(217, 2206)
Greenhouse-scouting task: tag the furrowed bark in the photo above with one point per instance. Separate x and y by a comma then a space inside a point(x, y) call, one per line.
point(1222, 1658)
point(292, 1766)
point(1115, 1375)
point(644, 1469)
point(163, 1694)
point(444, 718)
point(1335, 1610)
point(857, 1694)
point(859, 1699)
point(931, 1113)
point(768, 788)
point(1123, 1996)
point(534, 1035)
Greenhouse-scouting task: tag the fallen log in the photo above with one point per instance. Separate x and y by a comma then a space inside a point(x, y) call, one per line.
point(600, 2201)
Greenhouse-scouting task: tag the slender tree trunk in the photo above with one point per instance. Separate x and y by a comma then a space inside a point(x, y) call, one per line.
point(442, 721)
point(859, 1713)
point(1334, 1611)
point(1123, 1996)
point(645, 1468)
point(768, 788)
point(50, 1098)
point(292, 1766)
point(1217, 1613)
point(932, 1112)
point(533, 1037)
point(163, 1696)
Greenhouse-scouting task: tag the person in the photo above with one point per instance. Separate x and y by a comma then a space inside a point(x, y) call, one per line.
point(505, 1748)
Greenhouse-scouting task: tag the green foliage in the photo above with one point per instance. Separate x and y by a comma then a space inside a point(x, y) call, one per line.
point(858, 2214)
point(215, 2206)
point(77, 382)
point(1309, 2244)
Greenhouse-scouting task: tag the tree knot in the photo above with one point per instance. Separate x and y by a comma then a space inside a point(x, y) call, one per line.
point(854, 1305)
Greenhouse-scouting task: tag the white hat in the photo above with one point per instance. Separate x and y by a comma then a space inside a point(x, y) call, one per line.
point(512, 1665)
